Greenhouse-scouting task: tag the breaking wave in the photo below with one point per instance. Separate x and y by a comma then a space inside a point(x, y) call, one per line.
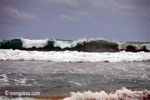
point(122, 94)
point(26, 43)
point(73, 56)
point(86, 45)
point(134, 46)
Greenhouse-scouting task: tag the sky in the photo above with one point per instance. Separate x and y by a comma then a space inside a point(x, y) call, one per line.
point(117, 20)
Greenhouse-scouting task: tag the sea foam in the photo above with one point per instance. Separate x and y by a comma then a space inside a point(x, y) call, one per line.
point(73, 56)
point(123, 94)
point(85, 45)
point(138, 46)
point(68, 44)
point(34, 43)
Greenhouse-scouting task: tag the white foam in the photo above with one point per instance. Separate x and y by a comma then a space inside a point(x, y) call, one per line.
point(138, 46)
point(75, 83)
point(57, 43)
point(73, 56)
point(147, 46)
point(34, 43)
point(68, 44)
point(4, 80)
point(73, 43)
point(123, 94)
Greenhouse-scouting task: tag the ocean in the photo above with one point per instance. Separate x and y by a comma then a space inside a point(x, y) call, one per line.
point(82, 69)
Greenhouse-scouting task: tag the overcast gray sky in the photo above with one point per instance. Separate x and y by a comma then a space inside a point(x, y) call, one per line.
point(120, 20)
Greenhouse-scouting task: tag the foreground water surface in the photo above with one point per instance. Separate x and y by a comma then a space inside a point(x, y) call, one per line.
point(60, 78)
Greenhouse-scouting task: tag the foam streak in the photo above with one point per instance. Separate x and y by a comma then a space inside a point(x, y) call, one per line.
point(73, 56)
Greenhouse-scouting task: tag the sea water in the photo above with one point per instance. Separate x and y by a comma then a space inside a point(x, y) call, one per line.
point(62, 78)
point(94, 69)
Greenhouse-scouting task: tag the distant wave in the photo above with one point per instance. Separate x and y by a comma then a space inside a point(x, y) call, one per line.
point(122, 94)
point(26, 43)
point(86, 45)
point(73, 56)
point(134, 46)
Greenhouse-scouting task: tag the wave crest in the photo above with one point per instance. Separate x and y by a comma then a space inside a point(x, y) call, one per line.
point(68, 44)
point(86, 45)
point(34, 43)
point(123, 94)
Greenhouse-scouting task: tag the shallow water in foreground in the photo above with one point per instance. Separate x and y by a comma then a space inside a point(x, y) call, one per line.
point(54, 78)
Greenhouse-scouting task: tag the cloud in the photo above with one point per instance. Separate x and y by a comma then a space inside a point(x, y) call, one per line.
point(11, 15)
point(98, 3)
point(82, 14)
point(6, 2)
point(114, 4)
point(66, 17)
point(77, 16)
point(123, 7)
point(65, 2)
